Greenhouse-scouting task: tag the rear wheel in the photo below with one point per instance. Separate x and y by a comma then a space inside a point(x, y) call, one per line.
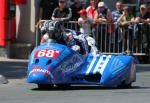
point(124, 85)
point(45, 86)
point(63, 85)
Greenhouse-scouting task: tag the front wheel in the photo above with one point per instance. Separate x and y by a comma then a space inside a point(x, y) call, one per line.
point(45, 86)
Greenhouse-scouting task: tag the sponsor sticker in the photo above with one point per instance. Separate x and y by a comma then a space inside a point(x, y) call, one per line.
point(47, 53)
point(47, 71)
point(38, 69)
point(70, 65)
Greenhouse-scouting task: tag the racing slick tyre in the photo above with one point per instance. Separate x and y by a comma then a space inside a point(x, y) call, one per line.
point(63, 85)
point(45, 86)
point(124, 85)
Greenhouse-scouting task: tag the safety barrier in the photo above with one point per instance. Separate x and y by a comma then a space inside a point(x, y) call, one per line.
point(111, 38)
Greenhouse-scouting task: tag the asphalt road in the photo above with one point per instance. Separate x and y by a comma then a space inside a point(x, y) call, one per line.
point(18, 91)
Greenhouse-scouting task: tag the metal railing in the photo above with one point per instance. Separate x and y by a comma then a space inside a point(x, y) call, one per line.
point(112, 38)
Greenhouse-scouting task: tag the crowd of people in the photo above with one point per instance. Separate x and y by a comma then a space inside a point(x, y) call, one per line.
point(88, 13)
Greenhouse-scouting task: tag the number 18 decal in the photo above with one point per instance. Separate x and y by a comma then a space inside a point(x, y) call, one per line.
point(47, 53)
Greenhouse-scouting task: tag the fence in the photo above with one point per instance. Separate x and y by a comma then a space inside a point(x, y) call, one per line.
point(133, 39)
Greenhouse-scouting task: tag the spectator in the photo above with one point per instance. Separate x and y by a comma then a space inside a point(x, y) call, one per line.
point(62, 12)
point(144, 16)
point(103, 13)
point(92, 13)
point(118, 12)
point(85, 23)
point(91, 10)
point(46, 9)
point(116, 35)
point(125, 21)
point(126, 17)
point(77, 6)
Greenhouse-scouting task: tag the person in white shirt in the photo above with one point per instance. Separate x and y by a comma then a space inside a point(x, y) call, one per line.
point(85, 23)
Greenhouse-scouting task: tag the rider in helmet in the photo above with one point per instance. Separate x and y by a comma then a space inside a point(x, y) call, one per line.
point(55, 31)
point(75, 40)
point(51, 30)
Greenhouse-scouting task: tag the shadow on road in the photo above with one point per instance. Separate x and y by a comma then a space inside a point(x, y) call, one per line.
point(86, 88)
point(13, 69)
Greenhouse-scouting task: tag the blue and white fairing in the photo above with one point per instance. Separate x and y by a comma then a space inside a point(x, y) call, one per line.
point(53, 63)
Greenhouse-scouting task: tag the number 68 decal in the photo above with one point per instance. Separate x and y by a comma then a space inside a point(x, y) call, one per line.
point(47, 53)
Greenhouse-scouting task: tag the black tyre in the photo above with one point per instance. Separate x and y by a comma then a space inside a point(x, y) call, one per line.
point(124, 85)
point(45, 86)
point(63, 85)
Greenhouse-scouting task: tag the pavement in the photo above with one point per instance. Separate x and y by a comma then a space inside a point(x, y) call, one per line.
point(10, 67)
point(13, 60)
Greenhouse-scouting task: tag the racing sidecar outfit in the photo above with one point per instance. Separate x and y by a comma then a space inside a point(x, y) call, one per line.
point(74, 39)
